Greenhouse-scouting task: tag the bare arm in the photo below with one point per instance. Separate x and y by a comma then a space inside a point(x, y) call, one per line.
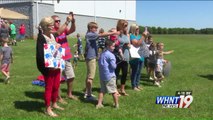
point(1, 56)
point(168, 52)
point(137, 43)
point(64, 26)
point(108, 34)
point(73, 27)
point(11, 57)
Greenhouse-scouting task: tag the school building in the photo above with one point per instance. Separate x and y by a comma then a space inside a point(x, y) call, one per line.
point(105, 13)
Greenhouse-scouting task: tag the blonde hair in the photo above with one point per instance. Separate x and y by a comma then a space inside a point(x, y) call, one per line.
point(133, 28)
point(92, 25)
point(121, 26)
point(45, 22)
point(5, 40)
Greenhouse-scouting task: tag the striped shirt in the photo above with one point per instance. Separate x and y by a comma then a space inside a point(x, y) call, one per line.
point(62, 40)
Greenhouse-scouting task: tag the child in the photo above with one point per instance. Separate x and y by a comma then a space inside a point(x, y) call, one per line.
point(152, 61)
point(91, 55)
point(13, 33)
point(75, 60)
point(146, 59)
point(22, 31)
point(101, 42)
point(118, 50)
point(6, 58)
point(160, 47)
point(107, 66)
point(159, 69)
point(80, 46)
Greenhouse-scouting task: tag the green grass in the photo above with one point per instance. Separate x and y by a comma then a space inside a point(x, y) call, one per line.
point(191, 70)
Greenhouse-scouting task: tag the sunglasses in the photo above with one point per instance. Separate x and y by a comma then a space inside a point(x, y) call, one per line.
point(57, 21)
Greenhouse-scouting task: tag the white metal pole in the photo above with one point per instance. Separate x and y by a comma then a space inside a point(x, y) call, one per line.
point(37, 19)
point(94, 11)
point(125, 10)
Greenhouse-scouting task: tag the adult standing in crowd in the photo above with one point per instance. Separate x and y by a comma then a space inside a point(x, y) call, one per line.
point(51, 75)
point(62, 40)
point(122, 27)
point(136, 63)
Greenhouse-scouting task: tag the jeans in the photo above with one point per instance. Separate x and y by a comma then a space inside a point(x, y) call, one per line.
point(136, 73)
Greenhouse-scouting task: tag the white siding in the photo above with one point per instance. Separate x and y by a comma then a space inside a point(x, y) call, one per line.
point(109, 9)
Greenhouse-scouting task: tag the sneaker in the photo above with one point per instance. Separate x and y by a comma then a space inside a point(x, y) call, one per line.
point(116, 106)
point(136, 89)
point(150, 78)
point(158, 84)
point(98, 106)
point(85, 95)
point(90, 98)
point(140, 88)
point(6, 81)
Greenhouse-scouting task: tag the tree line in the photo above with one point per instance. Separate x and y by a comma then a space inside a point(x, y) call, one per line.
point(160, 30)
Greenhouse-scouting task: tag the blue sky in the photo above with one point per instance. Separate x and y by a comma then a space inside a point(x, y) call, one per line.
point(195, 14)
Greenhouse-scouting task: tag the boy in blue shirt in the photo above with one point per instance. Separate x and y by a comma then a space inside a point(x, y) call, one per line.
point(91, 55)
point(107, 66)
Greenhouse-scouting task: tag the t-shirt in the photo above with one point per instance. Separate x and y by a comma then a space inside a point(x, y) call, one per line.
point(13, 28)
point(124, 39)
point(4, 33)
point(22, 30)
point(138, 37)
point(107, 65)
point(160, 63)
point(91, 45)
point(101, 42)
point(7, 53)
point(62, 40)
point(79, 43)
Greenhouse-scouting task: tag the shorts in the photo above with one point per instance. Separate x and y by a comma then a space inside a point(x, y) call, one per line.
point(100, 50)
point(21, 36)
point(91, 68)
point(80, 51)
point(69, 73)
point(13, 36)
point(5, 67)
point(146, 61)
point(109, 86)
point(159, 74)
point(152, 65)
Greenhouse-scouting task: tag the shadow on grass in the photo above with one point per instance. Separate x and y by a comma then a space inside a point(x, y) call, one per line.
point(35, 95)
point(29, 106)
point(80, 96)
point(209, 76)
point(1, 80)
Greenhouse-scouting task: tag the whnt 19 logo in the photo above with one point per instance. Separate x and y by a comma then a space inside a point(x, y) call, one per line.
point(174, 101)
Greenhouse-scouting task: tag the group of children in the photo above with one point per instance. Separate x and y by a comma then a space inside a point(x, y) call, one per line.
point(155, 62)
point(104, 48)
point(106, 60)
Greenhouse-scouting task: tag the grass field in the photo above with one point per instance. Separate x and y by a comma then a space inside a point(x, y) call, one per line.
point(192, 69)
